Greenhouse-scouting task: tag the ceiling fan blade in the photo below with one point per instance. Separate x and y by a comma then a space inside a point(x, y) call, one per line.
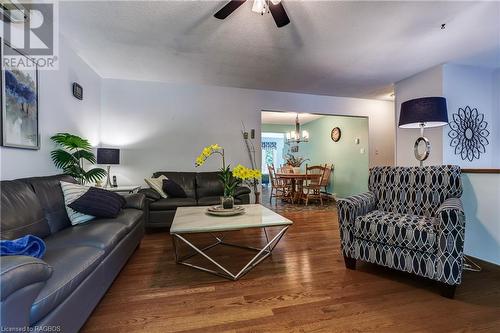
point(279, 14)
point(228, 9)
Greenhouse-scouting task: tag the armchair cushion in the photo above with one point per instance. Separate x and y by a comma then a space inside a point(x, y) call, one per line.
point(406, 231)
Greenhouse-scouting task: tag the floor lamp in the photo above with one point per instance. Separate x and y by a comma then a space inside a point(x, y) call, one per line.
point(422, 113)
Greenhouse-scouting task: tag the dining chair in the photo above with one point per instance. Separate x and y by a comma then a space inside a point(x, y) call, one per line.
point(279, 189)
point(326, 177)
point(311, 189)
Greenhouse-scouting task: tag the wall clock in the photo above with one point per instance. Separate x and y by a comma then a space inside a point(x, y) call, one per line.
point(336, 134)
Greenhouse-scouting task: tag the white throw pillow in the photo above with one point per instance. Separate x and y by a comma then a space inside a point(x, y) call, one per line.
point(72, 192)
point(157, 185)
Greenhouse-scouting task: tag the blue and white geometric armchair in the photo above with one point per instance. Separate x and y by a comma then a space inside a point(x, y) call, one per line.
point(411, 219)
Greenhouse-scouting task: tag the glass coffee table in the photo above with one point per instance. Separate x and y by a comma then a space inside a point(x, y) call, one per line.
point(195, 220)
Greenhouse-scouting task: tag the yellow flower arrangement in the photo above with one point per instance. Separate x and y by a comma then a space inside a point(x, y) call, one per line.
point(245, 173)
point(230, 179)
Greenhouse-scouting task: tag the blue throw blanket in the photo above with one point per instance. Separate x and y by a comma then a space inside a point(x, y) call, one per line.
point(28, 245)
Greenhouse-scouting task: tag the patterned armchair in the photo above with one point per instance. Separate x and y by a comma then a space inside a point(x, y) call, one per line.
point(411, 219)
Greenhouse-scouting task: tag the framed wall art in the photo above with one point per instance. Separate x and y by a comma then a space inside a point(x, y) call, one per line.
point(19, 100)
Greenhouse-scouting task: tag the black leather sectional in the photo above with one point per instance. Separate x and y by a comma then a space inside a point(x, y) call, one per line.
point(60, 291)
point(202, 189)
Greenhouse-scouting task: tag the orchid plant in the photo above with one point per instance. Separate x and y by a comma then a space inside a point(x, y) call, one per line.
point(229, 178)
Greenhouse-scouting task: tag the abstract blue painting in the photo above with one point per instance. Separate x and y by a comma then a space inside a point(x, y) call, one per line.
point(20, 107)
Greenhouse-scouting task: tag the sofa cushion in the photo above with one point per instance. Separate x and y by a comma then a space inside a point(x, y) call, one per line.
point(21, 212)
point(69, 268)
point(214, 200)
point(71, 193)
point(185, 179)
point(173, 189)
point(101, 233)
point(49, 193)
point(99, 202)
point(172, 203)
point(208, 184)
point(129, 217)
point(407, 231)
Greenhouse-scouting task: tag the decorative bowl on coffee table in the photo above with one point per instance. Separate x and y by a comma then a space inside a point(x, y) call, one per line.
point(220, 211)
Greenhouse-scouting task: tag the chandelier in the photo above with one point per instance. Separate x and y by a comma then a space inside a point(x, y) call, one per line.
point(297, 136)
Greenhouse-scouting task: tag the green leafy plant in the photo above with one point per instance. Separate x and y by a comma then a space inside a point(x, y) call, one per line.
point(295, 161)
point(71, 156)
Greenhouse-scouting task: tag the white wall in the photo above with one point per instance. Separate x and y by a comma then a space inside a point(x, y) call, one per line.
point(474, 87)
point(496, 117)
point(161, 126)
point(59, 111)
point(481, 200)
point(424, 84)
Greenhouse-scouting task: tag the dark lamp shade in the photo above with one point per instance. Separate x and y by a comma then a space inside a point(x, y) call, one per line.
point(431, 111)
point(108, 156)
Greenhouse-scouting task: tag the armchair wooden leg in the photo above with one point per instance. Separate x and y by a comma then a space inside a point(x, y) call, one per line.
point(448, 291)
point(350, 263)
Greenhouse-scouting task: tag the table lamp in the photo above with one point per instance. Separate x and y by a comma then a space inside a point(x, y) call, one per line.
point(421, 113)
point(108, 156)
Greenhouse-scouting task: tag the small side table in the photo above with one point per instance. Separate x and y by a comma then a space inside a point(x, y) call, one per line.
point(124, 188)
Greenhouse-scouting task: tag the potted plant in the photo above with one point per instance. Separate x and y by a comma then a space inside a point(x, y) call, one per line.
point(229, 178)
point(295, 162)
point(72, 154)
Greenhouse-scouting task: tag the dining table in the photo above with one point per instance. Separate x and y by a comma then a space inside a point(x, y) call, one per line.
point(297, 181)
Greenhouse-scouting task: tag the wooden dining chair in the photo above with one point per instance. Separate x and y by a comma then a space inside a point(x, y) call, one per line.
point(326, 177)
point(279, 189)
point(313, 183)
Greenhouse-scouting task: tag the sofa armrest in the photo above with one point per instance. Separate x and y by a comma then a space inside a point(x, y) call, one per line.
point(150, 194)
point(241, 190)
point(348, 209)
point(135, 200)
point(21, 279)
point(450, 241)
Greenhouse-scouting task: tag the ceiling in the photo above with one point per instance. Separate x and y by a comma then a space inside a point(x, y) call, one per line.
point(287, 118)
point(351, 48)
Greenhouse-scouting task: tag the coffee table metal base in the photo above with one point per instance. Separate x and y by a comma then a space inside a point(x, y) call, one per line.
point(262, 253)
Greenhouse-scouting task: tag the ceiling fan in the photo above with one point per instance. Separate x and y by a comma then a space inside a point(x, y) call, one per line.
point(259, 6)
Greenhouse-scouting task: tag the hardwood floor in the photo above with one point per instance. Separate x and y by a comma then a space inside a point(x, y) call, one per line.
point(304, 287)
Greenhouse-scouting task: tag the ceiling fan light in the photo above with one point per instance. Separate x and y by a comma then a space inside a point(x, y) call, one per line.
point(275, 2)
point(259, 6)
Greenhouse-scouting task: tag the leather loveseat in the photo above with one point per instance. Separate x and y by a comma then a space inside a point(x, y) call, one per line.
point(58, 292)
point(202, 189)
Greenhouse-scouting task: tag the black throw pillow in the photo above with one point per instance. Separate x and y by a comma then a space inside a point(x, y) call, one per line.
point(99, 203)
point(172, 189)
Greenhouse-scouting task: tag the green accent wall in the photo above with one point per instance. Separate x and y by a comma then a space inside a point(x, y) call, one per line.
point(350, 175)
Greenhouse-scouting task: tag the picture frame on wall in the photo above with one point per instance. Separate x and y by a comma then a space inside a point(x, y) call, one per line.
point(19, 99)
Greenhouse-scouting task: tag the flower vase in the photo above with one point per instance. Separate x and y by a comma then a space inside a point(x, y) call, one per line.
point(227, 202)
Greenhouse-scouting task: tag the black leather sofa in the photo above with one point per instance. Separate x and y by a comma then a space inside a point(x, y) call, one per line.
point(202, 189)
point(58, 292)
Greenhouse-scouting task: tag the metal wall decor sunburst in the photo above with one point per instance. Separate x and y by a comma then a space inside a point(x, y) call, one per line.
point(468, 133)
